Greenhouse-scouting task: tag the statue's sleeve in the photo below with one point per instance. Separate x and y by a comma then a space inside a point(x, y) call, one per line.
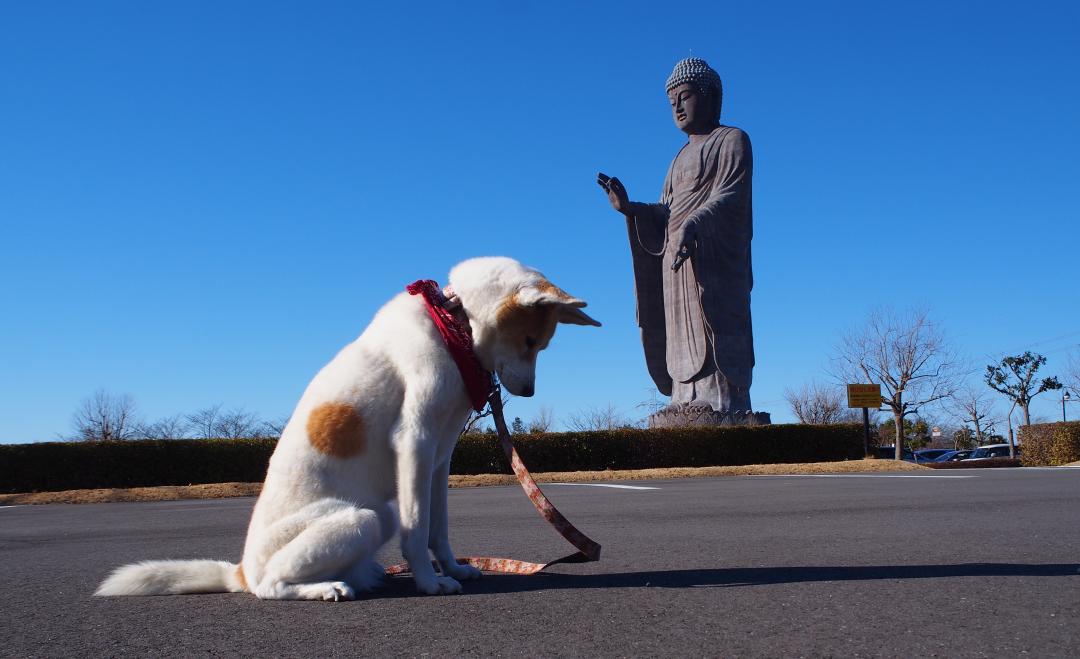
point(646, 228)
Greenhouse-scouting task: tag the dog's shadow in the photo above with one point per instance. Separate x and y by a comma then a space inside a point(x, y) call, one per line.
point(402, 586)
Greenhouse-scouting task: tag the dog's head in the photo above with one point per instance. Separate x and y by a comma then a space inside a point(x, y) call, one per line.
point(513, 311)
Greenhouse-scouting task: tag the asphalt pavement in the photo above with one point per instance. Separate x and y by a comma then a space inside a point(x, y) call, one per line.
point(954, 564)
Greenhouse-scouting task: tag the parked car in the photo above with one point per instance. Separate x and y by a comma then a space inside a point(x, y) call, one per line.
point(930, 454)
point(954, 456)
point(889, 453)
point(991, 451)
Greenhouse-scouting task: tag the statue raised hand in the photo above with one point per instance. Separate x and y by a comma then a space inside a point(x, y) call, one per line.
point(616, 193)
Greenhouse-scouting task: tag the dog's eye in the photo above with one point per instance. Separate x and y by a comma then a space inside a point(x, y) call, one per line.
point(530, 342)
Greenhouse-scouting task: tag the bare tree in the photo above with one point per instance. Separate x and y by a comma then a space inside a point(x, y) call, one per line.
point(105, 417)
point(169, 427)
point(819, 404)
point(607, 417)
point(908, 355)
point(237, 424)
point(972, 406)
point(1072, 373)
point(653, 404)
point(1015, 379)
point(204, 422)
point(274, 427)
point(544, 420)
point(214, 422)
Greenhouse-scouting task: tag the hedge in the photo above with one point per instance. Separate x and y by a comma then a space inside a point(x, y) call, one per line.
point(670, 447)
point(55, 466)
point(1050, 444)
point(78, 465)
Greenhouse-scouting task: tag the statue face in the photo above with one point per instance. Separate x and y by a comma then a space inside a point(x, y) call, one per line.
point(692, 112)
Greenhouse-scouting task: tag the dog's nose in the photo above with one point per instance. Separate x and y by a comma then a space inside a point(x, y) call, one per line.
point(527, 391)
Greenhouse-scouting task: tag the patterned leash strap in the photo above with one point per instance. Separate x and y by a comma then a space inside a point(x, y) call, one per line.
point(587, 550)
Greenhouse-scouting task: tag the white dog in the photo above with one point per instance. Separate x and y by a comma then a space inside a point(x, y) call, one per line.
point(378, 423)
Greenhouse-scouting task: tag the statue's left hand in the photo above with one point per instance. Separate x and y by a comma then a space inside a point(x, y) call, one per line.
point(615, 191)
point(687, 244)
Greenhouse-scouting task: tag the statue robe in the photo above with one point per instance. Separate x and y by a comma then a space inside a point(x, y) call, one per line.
point(697, 321)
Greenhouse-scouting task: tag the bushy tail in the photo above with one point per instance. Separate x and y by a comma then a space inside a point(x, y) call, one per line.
point(173, 578)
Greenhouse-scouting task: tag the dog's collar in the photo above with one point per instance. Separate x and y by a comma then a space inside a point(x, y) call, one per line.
point(450, 320)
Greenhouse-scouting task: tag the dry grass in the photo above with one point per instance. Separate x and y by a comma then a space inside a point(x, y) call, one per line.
point(162, 493)
point(853, 466)
point(223, 490)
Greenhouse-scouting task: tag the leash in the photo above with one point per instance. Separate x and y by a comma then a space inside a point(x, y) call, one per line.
point(457, 335)
point(587, 549)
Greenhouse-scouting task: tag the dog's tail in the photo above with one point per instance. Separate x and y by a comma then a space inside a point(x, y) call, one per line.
point(174, 578)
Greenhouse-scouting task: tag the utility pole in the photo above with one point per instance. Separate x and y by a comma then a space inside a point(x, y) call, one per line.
point(1012, 442)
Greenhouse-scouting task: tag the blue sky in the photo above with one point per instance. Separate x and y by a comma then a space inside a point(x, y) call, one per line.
point(201, 202)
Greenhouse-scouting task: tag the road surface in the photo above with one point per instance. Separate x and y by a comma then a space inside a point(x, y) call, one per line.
point(957, 563)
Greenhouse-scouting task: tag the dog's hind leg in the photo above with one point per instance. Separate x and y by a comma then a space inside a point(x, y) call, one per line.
point(368, 573)
point(314, 563)
point(365, 575)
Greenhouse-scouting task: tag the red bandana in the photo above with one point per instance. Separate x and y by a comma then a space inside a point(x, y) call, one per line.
point(457, 336)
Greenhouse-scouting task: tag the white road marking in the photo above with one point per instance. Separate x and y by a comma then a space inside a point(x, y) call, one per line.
point(8, 506)
point(859, 476)
point(619, 487)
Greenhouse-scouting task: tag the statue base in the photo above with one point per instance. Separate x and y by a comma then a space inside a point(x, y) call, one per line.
point(688, 414)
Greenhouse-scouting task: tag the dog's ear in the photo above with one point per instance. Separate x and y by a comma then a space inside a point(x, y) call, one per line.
point(569, 307)
point(572, 315)
point(544, 292)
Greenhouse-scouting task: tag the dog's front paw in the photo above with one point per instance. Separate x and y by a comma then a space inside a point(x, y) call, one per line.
point(463, 572)
point(439, 586)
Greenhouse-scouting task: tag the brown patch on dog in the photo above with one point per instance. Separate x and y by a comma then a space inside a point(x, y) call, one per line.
point(509, 307)
point(547, 288)
point(241, 578)
point(336, 429)
point(517, 321)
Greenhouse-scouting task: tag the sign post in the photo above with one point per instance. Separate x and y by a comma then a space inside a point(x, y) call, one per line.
point(864, 396)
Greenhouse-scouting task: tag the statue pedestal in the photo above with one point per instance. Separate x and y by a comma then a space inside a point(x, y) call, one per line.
point(686, 414)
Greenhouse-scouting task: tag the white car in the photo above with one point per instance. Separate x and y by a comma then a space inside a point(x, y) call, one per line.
point(991, 451)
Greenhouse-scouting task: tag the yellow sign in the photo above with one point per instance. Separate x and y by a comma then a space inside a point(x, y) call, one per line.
point(864, 395)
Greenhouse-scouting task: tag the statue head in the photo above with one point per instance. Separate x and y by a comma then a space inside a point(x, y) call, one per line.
point(696, 95)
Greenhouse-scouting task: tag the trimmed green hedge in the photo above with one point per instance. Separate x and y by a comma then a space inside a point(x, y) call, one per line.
point(1050, 444)
point(675, 447)
point(78, 465)
point(55, 466)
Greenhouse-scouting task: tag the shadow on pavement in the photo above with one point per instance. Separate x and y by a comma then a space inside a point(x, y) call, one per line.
point(402, 586)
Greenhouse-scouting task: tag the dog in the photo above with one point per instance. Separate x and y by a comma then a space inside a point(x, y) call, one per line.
point(366, 453)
